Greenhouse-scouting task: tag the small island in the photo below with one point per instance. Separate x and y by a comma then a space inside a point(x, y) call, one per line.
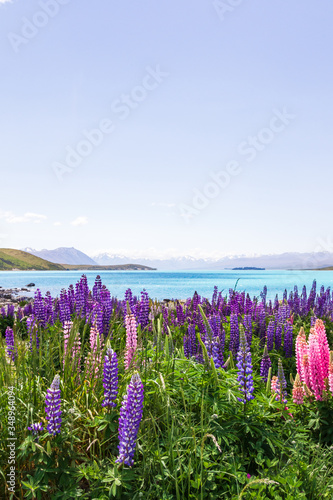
point(248, 269)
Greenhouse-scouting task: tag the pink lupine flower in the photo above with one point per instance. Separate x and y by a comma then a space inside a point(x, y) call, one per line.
point(306, 370)
point(94, 357)
point(323, 346)
point(301, 348)
point(76, 347)
point(67, 331)
point(274, 381)
point(317, 367)
point(131, 339)
point(298, 391)
point(330, 372)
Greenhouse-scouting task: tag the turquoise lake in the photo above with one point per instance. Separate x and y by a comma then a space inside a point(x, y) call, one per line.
point(168, 285)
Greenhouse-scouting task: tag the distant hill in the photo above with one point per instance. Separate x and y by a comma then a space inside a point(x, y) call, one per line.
point(24, 261)
point(120, 267)
point(63, 255)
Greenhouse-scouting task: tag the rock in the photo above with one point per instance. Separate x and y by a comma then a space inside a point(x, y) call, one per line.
point(31, 284)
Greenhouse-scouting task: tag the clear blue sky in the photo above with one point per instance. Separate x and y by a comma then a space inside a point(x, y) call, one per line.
point(187, 88)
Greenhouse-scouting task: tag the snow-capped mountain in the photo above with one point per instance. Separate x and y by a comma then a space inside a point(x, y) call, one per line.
point(62, 255)
point(289, 260)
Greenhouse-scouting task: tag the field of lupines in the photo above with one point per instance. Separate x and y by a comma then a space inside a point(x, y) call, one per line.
point(227, 397)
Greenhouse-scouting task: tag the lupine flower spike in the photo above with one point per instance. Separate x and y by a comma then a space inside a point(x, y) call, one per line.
point(11, 349)
point(265, 365)
point(110, 381)
point(129, 420)
point(131, 338)
point(298, 391)
point(244, 365)
point(52, 409)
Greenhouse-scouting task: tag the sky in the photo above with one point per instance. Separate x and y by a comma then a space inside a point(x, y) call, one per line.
point(198, 127)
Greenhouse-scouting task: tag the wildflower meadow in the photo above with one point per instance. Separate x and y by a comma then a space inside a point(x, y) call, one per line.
point(226, 397)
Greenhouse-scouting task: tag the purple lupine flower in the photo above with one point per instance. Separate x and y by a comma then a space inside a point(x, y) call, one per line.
point(217, 352)
point(244, 365)
point(180, 314)
point(248, 328)
point(283, 314)
point(64, 307)
point(81, 296)
point(52, 409)
point(39, 308)
point(248, 304)
point(234, 334)
point(288, 340)
point(110, 381)
point(96, 290)
point(144, 310)
point(270, 335)
point(129, 420)
point(265, 365)
point(195, 301)
point(276, 303)
point(36, 429)
point(32, 328)
point(312, 296)
point(71, 298)
point(129, 299)
point(10, 344)
point(214, 323)
point(278, 336)
point(107, 309)
point(263, 295)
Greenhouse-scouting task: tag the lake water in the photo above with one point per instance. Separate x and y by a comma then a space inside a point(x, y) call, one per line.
point(168, 285)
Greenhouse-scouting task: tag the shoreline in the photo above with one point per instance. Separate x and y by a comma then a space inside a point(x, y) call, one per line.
point(12, 296)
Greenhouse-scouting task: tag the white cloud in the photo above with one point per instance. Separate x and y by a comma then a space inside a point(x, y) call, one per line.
point(5, 1)
point(57, 223)
point(11, 218)
point(80, 221)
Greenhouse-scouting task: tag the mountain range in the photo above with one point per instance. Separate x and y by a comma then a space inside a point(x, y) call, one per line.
point(63, 255)
point(288, 260)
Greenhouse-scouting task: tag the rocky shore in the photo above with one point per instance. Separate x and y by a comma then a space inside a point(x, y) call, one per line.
point(13, 295)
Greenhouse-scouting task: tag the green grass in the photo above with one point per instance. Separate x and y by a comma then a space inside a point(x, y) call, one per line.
point(17, 259)
point(196, 441)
